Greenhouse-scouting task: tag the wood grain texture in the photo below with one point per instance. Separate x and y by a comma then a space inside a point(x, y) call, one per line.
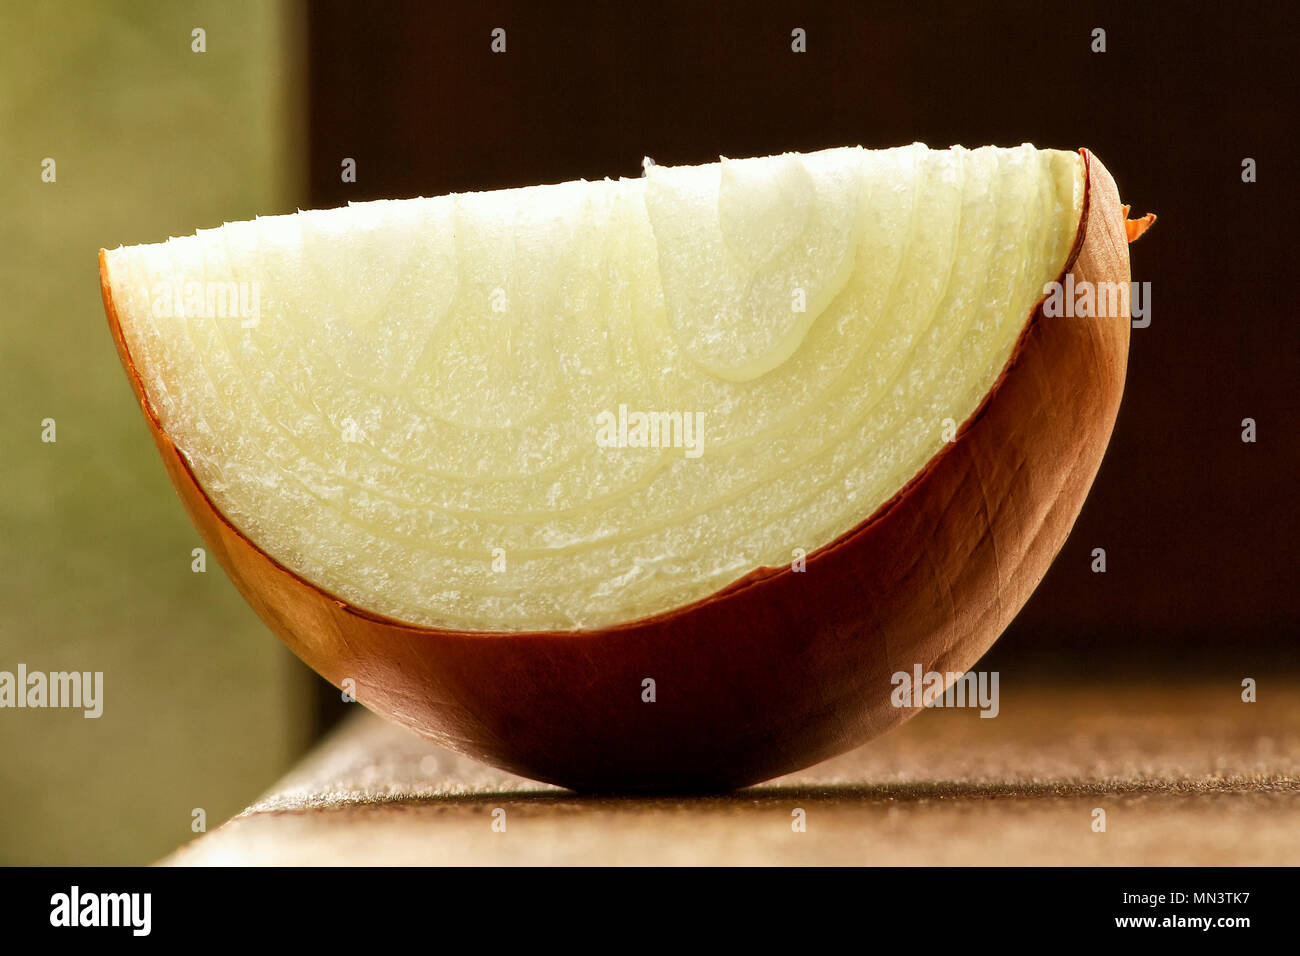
point(1186, 772)
point(782, 669)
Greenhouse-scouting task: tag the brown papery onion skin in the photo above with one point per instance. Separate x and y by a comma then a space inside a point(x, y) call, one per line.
point(781, 669)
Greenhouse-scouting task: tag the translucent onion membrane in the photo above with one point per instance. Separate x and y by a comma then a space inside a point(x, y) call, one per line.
point(571, 406)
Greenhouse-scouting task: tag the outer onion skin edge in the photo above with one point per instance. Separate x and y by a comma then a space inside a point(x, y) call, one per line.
point(781, 669)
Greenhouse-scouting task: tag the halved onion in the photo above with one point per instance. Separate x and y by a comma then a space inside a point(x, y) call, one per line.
point(642, 484)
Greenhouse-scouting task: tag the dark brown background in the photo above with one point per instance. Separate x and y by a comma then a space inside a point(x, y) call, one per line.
point(1197, 526)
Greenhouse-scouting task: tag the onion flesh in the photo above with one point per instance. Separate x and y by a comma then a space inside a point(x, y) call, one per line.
point(406, 408)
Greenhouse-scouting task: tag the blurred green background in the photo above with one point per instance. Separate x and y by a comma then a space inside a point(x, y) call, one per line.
point(203, 708)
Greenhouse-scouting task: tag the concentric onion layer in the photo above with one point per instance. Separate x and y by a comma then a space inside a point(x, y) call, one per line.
point(577, 405)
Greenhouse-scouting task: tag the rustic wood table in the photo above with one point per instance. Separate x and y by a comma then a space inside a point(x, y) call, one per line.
point(1185, 772)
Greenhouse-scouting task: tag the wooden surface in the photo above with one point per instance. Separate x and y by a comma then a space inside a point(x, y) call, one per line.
point(1187, 774)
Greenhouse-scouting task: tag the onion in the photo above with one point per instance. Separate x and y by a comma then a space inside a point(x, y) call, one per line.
point(779, 666)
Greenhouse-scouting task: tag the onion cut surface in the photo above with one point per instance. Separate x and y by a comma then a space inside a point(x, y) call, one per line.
point(445, 411)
